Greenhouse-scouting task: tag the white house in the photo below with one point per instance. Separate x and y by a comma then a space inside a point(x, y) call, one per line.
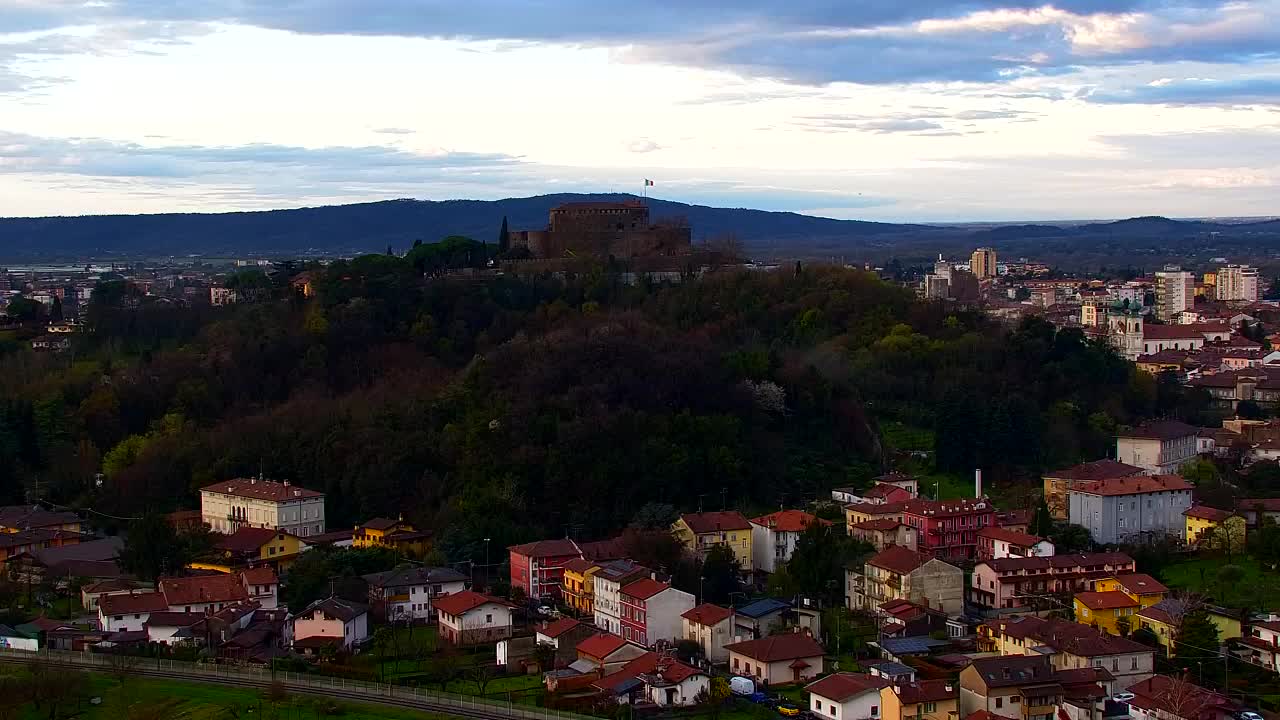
point(777, 659)
point(608, 582)
point(846, 696)
point(120, 613)
point(204, 593)
point(469, 618)
point(230, 505)
point(90, 594)
point(774, 536)
point(406, 593)
point(1161, 447)
point(332, 621)
point(171, 628)
point(263, 586)
point(711, 626)
point(1261, 644)
point(673, 684)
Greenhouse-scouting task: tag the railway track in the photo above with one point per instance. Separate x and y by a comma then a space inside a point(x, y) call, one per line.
point(394, 696)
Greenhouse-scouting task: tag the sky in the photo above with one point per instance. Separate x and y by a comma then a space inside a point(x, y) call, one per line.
point(897, 110)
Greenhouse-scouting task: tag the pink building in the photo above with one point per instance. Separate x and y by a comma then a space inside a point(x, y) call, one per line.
point(330, 622)
point(1010, 582)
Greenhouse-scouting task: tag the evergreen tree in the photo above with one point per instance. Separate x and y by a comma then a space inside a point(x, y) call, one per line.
point(1041, 521)
point(504, 242)
point(720, 573)
point(1197, 639)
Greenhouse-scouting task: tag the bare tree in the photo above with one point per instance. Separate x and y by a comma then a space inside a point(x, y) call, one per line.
point(481, 675)
point(124, 667)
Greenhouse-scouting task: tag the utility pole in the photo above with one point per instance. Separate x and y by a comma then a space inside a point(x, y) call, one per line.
point(724, 495)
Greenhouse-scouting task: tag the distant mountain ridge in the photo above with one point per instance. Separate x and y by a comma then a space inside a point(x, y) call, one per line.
point(374, 226)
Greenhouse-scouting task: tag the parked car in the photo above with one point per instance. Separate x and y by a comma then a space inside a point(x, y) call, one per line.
point(1124, 697)
point(742, 686)
point(786, 709)
point(1248, 715)
point(760, 698)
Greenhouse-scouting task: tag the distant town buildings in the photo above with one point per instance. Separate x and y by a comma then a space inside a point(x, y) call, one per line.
point(1237, 283)
point(983, 263)
point(1175, 292)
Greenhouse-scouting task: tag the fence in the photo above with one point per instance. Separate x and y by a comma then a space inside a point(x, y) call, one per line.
point(305, 683)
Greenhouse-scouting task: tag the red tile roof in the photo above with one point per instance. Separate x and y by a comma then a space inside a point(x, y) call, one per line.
point(580, 565)
point(708, 614)
point(247, 539)
point(866, 508)
point(1133, 485)
point(1069, 637)
point(644, 588)
point(947, 508)
point(1012, 537)
point(1267, 504)
point(788, 520)
point(1180, 698)
point(928, 691)
point(463, 602)
point(1204, 512)
point(1106, 600)
point(558, 628)
point(132, 604)
point(774, 648)
point(601, 645)
point(886, 491)
point(203, 589)
point(1059, 562)
point(898, 559)
point(711, 522)
point(260, 576)
point(1096, 470)
point(1141, 584)
point(1159, 430)
point(174, 619)
point(548, 548)
point(600, 550)
point(262, 490)
point(842, 686)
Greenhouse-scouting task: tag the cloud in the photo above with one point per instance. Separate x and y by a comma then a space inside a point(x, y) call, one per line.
point(643, 145)
point(931, 122)
point(394, 131)
point(800, 41)
point(1257, 90)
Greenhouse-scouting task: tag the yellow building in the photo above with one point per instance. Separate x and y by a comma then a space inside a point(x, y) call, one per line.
point(385, 532)
point(253, 546)
point(1142, 588)
point(578, 585)
point(921, 700)
point(699, 532)
point(1104, 610)
point(1164, 618)
point(1214, 528)
point(863, 512)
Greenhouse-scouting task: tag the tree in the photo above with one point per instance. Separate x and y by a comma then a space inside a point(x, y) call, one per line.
point(720, 573)
point(714, 696)
point(1042, 521)
point(1197, 636)
point(817, 565)
point(1069, 538)
point(1228, 576)
point(544, 654)
point(1201, 472)
point(504, 238)
point(382, 639)
point(481, 675)
point(1250, 410)
point(152, 548)
point(1146, 636)
point(1123, 624)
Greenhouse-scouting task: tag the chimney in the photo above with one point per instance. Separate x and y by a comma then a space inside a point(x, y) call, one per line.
point(977, 483)
point(286, 483)
point(253, 481)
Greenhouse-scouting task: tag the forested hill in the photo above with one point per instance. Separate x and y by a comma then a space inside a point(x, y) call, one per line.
point(515, 410)
point(372, 227)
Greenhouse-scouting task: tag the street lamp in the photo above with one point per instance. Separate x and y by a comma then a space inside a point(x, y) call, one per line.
point(486, 564)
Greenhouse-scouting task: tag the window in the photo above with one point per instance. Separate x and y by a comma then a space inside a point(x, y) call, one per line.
point(875, 711)
point(999, 702)
point(735, 663)
point(1115, 663)
point(1133, 663)
point(931, 707)
point(1015, 700)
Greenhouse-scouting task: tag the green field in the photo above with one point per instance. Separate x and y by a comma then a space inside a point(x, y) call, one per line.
point(1257, 589)
point(146, 699)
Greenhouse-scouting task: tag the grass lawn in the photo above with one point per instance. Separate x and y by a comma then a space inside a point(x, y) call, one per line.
point(950, 487)
point(1256, 589)
point(146, 698)
point(901, 436)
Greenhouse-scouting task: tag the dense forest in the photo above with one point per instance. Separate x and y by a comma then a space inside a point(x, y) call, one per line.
point(523, 408)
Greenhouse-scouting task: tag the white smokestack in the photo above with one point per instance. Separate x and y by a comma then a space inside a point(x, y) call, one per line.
point(977, 483)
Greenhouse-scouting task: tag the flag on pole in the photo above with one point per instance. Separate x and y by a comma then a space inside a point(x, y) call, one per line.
point(648, 182)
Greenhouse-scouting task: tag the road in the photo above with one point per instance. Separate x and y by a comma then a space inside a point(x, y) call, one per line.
point(302, 684)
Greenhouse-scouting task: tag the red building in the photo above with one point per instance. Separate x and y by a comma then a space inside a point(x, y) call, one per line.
point(948, 529)
point(538, 567)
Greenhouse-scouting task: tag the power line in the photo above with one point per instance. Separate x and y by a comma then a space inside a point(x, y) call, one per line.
point(68, 508)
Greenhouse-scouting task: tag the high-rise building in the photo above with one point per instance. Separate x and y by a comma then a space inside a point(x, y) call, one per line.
point(1237, 282)
point(983, 263)
point(1175, 292)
